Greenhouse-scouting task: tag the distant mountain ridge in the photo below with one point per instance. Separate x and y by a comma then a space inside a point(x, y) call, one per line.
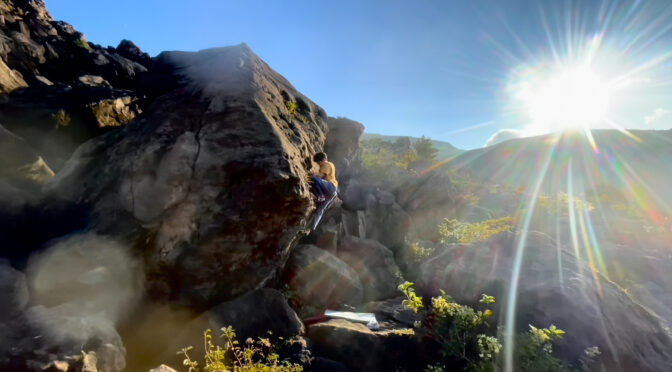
point(639, 162)
point(446, 149)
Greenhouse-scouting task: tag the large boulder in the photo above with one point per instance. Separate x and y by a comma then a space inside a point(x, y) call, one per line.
point(60, 336)
point(361, 349)
point(255, 314)
point(591, 309)
point(321, 280)
point(211, 183)
point(10, 79)
point(387, 222)
point(374, 264)
point(80, 288)
point(342, 147)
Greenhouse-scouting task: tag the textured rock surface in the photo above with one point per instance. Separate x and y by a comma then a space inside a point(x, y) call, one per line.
point(592, 310)
point(322, 280)
point(59, 335)
point(256, 313)
point(342, 147)
point(428, 199)
point(360, 348)
point(387, 222)
point(212, 179)
point(19, 162)
point(10, 79)
point(34, 47)
point(374, 264)
point(56, 119)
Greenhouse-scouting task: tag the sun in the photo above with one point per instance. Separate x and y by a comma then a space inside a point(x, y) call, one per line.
point(570, 97)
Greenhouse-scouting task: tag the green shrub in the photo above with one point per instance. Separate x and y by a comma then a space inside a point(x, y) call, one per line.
point(254, 356)
point(454, 231)
point(386, 163)
point(82, 43)
point(534, 352)
point(456, 328)
point(460, 332)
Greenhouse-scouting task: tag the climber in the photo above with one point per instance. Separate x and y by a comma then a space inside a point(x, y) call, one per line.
point(323, 182)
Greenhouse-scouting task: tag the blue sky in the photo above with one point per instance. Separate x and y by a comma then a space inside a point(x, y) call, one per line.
point(416, 68)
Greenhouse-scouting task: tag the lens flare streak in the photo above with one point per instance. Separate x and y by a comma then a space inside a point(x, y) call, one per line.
point(510, 326)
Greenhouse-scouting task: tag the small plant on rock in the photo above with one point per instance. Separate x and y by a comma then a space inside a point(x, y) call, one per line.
point(62, 118)
point(254, 356)
point(292, 107)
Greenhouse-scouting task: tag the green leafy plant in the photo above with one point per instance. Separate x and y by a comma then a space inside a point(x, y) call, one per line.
point(412, 301)
point(255, 356)
point(534, 351)
point(457, 329)
point(421, 253)
point(460, 332)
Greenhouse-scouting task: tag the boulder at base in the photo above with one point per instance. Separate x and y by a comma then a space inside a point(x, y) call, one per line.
point(591, 309)
point(374, 264)
point(211, 183)
point(321, 280)
point(361, 349)
point(255, 314)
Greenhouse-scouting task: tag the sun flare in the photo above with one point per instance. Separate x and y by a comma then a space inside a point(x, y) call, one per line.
point(566, 98)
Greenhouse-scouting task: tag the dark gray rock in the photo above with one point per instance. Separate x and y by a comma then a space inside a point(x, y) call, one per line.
point(342, 147)
point(321, 280)
point(361, 349)
point(387, 222)
point(590, 308)
point(374, 264)
point(54, 120)
point(211, 183)
point(14, 291)
point(256, 313)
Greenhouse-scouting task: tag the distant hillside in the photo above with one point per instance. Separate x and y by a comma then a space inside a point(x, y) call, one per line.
point(446, 150)
point(640, 167)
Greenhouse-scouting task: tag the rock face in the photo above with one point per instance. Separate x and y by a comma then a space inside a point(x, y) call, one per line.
point(591, 309)
point(388, 222)
point(322, 280)
point(212, 178)
point(428, 199)
point(56, 119)
point(19, 163)
point(362, 349)
point(342, 147)
point(256, 313)
point(375, 265)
